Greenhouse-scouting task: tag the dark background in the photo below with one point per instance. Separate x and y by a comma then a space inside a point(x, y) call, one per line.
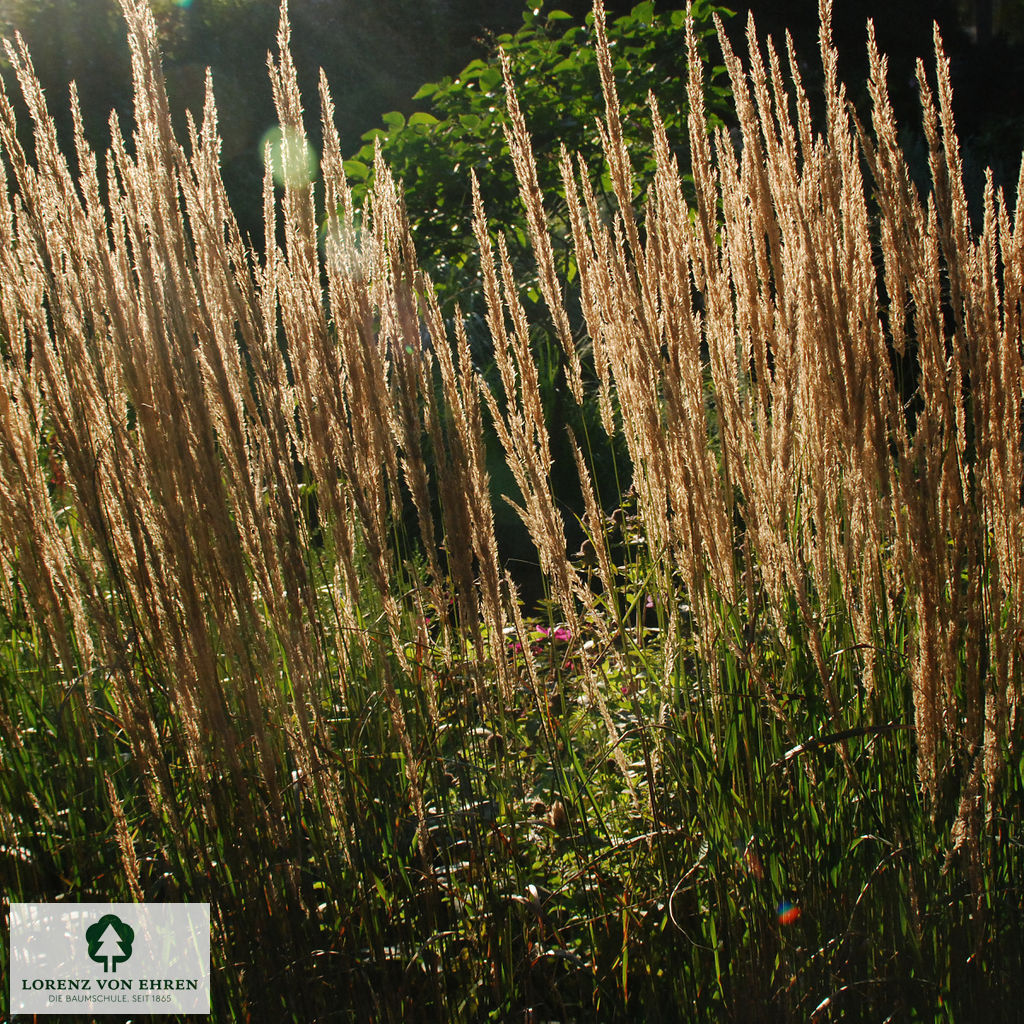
point(377, 54)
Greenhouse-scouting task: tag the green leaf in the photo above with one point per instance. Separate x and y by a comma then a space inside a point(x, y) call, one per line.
point(490, 79)
point(394, 119)
point(473, 69)
point(356, 169)
point(644, 11)
point(426, 90)
point(422, 117)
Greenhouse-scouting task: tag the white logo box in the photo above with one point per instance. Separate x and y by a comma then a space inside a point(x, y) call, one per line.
point(110, 958)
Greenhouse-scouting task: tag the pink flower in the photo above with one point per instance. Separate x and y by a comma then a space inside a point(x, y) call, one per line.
point(559, 633)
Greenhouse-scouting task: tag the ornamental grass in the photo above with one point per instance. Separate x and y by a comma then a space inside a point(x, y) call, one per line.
point(757, 754)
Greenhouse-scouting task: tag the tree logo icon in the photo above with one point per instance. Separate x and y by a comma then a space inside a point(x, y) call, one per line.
point(110, 942)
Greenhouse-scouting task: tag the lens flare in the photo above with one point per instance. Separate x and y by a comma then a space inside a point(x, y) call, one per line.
point(293, 161)
point(788, 912)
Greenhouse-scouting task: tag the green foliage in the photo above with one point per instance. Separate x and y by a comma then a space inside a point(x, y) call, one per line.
point(722, 870)
point(433, 151)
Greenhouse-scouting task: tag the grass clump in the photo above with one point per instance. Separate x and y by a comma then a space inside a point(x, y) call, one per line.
point(756, 756)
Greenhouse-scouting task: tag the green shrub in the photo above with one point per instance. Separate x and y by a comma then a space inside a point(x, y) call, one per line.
point(461, 129)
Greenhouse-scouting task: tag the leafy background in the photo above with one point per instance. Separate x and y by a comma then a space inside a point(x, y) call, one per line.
point(378, 57)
